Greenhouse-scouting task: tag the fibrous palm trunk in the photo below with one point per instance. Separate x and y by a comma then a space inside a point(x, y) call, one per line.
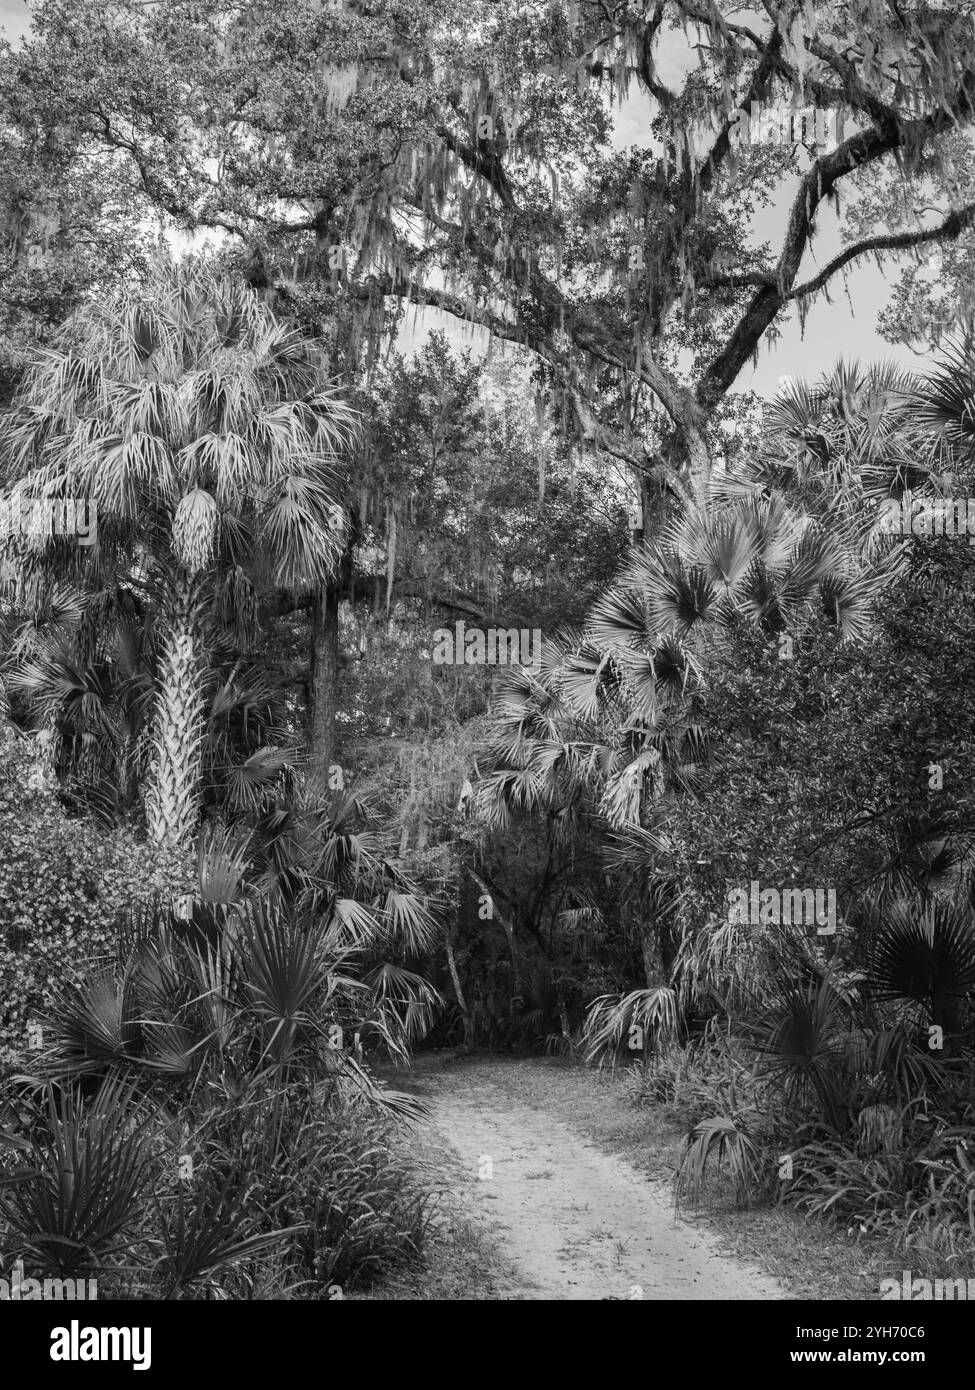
point(173, 795)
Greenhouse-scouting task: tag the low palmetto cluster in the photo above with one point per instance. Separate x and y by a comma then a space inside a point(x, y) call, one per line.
point(206, 1089)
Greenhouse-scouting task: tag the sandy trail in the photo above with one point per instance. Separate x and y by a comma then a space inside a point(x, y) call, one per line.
point(574, 1222)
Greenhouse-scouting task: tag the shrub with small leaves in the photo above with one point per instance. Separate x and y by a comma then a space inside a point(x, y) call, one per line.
point(64, 884)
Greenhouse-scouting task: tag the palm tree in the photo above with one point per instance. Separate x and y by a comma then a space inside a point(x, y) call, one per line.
point(94, 702)
point(202, 429)
point(946, 398)
point(610, 705)
point(862, 436)
point(607, 729)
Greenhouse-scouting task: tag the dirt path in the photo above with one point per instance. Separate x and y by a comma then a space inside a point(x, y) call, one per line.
point(572, 1221)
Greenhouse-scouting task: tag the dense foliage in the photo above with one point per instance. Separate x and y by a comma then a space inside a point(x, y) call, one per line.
point(65, 883)
point(269, 820)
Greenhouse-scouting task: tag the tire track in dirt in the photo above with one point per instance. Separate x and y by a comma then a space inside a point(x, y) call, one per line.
point(573, 1222)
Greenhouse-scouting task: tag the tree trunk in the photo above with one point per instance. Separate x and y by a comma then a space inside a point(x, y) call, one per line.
point(563, 1014)
point(458, 991)
point(173, 794)
point(326, 661)
point(507, 927)
point(324, 679)
point(699, 459)
point(653, 965)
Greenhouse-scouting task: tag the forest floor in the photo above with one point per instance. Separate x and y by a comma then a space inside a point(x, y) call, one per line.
point(553, 1185)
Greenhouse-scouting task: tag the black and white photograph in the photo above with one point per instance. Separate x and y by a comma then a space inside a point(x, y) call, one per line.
point(487, 674)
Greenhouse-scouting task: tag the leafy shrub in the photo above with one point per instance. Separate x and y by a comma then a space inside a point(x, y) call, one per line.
point(366, 1215)
point(64, 885)
point(913, 1181)
point(708, 1076)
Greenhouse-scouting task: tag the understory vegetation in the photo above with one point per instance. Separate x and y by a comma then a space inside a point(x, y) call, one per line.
point(823, 1063)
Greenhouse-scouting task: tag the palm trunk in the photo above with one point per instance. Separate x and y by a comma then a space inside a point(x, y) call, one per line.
point(173, 795)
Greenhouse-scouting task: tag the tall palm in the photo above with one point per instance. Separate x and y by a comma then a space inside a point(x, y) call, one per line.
point(204, 431)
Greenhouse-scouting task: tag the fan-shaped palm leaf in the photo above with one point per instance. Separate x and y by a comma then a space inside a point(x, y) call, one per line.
point(926, 957)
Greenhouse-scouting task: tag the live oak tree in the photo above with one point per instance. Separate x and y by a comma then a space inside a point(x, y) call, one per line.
point(362, 158)
point(70, 223)
point(456, 156)
point(495, 520)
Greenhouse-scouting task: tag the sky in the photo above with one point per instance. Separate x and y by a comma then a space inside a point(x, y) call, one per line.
point(846, 327)
point(13, 18)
